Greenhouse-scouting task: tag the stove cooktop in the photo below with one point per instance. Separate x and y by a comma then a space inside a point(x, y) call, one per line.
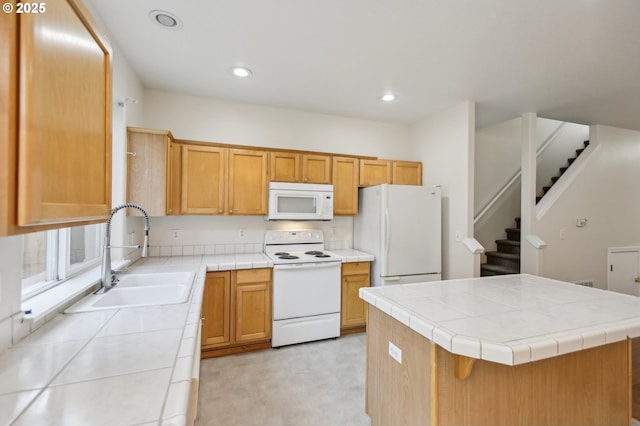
point(282, 257)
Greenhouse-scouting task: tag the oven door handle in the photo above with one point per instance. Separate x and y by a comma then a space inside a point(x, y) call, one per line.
point(298, 266)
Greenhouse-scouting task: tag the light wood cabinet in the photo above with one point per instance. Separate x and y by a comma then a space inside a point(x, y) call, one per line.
point(353, 309)
point(236, 311)
point(316, 168)
point(55, 119)
point(203, 179)
point(149, 170)
point(216, 310)
point(248, 188)
point(221, 181)
point(374, 172)
point(345, 186)
point(377, 172)
point(285, 166)
point(406, 173)
point(297, 167)
point(252, 305)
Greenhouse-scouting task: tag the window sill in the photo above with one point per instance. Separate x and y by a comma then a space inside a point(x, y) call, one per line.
point(62, 295)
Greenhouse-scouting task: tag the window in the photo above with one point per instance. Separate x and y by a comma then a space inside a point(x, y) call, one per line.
point(50, 257)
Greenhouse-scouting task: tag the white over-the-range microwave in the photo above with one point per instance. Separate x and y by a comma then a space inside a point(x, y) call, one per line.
point(300, 201)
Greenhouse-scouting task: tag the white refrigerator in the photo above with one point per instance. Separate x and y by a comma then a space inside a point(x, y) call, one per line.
point(401, 225)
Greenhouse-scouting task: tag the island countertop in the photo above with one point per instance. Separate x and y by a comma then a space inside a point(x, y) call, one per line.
point(510, 319)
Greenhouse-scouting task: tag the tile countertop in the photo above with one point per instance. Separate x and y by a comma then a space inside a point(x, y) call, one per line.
point(128, 366)
point(122, 366)
point(351, 255)
point(510, 319)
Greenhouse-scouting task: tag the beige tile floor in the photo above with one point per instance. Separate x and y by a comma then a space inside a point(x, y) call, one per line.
point(311, 384)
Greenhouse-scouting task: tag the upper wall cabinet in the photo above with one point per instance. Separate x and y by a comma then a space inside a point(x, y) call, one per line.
point(297, 167)
point(345, 186)
point(55, 119)
point(377, 172)
point(374, 172)
point(285, 166)
point(221, 181)
point(406, 173)
point(316, 168)
point(149, 176)
point(203, 179)
point(247, 190)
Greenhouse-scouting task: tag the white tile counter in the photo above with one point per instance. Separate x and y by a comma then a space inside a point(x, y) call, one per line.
point(510, 319)
point(351, 255)
point(130, 366)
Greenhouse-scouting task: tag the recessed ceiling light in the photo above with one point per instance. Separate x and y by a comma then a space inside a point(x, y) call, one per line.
point(241, 72)
point(388, 97)
point(165, 19)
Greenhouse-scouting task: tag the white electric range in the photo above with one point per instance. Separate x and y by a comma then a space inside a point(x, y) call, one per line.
point(306, 287)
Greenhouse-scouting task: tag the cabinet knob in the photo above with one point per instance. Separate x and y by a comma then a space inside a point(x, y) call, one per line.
point(231, 211)
point(219, 210)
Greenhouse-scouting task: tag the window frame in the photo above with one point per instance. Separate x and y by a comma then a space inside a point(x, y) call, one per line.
point(58, 267)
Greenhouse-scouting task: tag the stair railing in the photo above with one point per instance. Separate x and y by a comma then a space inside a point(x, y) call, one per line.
point(517, 175)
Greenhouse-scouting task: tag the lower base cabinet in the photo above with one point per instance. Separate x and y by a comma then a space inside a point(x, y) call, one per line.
point(353, 310)
point(236, 311)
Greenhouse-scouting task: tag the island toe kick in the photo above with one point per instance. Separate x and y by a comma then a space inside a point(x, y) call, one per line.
point(412, 381)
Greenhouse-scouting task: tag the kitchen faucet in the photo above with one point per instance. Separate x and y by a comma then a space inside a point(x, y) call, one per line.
point(109, 279)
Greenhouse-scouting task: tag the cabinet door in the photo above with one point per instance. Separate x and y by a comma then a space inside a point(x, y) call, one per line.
point(316, 168)
point(252, 305)
point(216, 303)
point(374, 172)
point(353, 309)
point(203, 183)
point(148, 171)
point(64, 123)
point(248, 185)
point(345, 186)
point(406, 173)
point(285, 166)
point(174, 179)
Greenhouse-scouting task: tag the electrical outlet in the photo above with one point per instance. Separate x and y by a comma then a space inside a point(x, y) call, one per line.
point(132, 238)
point(175, 234)
point(395, 352)
point(241, 233)
point(562, 234)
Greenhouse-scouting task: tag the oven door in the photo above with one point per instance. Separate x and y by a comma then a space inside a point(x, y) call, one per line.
point(306, 289)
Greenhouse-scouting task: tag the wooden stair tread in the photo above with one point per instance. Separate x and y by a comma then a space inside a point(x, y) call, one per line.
point(502, 270)
point(508, 242)
point(510, 256)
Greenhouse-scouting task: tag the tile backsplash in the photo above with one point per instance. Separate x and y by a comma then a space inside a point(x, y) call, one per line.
point(201, 249)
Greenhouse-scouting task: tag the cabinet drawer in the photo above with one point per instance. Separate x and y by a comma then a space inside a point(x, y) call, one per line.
point(356, 268)
point(261, 275)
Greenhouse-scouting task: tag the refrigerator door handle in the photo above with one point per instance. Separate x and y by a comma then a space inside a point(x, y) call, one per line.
point(387, 234)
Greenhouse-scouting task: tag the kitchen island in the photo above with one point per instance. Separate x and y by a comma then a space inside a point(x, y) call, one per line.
point(505, 350)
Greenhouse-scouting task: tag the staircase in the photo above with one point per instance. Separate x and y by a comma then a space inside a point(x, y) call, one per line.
point(554, 179)
point(506, 259)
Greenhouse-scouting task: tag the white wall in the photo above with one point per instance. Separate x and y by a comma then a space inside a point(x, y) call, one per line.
point(212, 120)
point(607, 194)
point(444, 143)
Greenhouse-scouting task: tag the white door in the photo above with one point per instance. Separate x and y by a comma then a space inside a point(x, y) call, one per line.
point(624, 268)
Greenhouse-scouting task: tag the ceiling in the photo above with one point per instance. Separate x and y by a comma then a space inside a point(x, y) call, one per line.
point(571, 60)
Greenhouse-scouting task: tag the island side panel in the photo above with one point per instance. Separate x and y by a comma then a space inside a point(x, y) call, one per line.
point(397, 393)
point(589, 387)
